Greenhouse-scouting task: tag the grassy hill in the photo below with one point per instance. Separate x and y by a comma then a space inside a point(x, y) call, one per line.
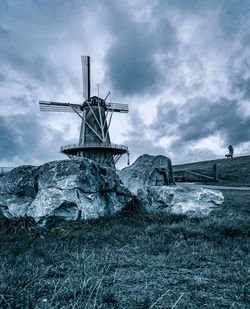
point(232, 171)
point(134, 260)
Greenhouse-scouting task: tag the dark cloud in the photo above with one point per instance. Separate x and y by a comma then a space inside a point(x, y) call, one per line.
point(24, 140)
point(4, 33)
point(142, 145)
point(227, 10)
point(2, 78)
point(233, 16)
point(33, 68)
point(35, 29)
point(138, 141)
point(199, 118)
point(132, 65)
point(187, 124)
point(192, 52)
point(243, 85)
point(37, 68)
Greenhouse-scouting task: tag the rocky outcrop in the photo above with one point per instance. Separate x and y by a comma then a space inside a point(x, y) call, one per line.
point(70, 190)
point(62, 191)
point(182, 199)
point(150, 178)
point(147, 171)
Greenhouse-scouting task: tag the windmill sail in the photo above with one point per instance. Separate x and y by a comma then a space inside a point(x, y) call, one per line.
point(48, 106)
point(117, 107)
point(86, 76)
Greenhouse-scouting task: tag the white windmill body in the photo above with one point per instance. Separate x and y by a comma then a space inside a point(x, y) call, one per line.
point(96, 114)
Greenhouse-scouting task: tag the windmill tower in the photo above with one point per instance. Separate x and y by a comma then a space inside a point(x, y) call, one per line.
point(96, 115)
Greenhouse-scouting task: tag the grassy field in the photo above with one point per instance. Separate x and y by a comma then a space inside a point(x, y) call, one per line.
point(134, 260)
point(233, 171)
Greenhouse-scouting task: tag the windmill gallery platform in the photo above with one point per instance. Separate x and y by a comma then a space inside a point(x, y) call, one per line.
point(96, 115)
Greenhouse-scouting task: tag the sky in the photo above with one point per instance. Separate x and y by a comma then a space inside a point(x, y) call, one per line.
point(183, 67)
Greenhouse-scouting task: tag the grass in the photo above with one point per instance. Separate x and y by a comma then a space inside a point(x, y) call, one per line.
point(233, 172)
point(133, 260)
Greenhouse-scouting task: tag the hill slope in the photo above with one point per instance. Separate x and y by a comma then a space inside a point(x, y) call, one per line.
point(232, 171)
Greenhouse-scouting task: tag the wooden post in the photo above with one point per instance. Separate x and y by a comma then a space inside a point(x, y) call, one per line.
point(215, 176)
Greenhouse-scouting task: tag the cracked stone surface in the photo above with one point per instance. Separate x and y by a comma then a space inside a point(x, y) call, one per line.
point(147, 171)
point(150, 178)
point(185, 199)
point(60, 191)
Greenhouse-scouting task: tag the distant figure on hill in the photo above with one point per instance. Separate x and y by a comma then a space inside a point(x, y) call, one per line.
point(231, 152)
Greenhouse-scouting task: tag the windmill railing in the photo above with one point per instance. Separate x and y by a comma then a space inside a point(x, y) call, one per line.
point(111, 146)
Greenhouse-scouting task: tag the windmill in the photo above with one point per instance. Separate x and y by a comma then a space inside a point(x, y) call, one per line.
point(96, 115)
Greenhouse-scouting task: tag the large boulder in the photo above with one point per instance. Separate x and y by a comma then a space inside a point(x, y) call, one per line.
point(147, 171)
point(60, 191)
point(17, 191)
point(182, 199)
point(150, 178)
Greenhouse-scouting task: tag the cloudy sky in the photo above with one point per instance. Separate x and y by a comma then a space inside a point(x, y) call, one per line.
point(182, 66)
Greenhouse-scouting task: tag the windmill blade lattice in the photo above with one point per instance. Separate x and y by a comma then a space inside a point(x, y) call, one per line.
point(48, 106)
point(117, 107)
point(85, 77)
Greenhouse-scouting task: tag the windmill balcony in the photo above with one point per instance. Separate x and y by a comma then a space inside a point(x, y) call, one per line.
point(114, 148)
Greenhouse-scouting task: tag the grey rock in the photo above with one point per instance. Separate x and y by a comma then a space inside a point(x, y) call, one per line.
point(150, 178)
point(147, 171)
point(185, 199)
point(17, 191)
point(60, 191)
